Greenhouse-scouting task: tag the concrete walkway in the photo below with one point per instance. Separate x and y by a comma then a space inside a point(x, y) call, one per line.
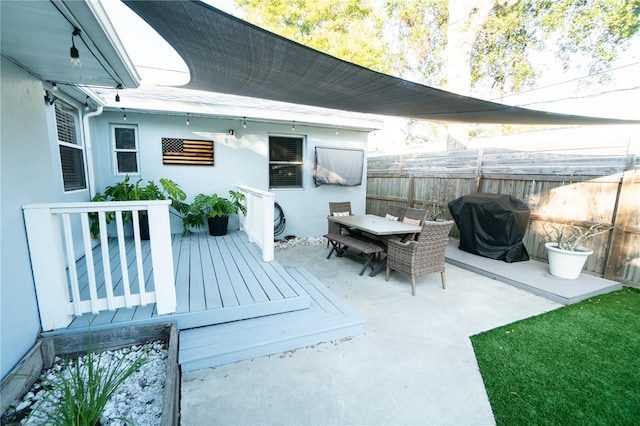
point(414, 364)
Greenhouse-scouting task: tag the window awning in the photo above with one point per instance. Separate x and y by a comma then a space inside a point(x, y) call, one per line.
point(228, 55)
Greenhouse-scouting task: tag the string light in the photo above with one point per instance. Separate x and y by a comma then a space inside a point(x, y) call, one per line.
point(188, 122)
point(118, 87)
point(86, 104)
point(74, 53)
point(293, 126)
point(244, 122)
point(54, 87)
point(124, 115)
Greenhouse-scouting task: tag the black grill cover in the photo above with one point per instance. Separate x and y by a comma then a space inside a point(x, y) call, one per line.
point(491, 225)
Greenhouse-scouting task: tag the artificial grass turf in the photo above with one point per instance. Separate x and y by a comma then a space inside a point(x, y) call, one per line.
point(577, 365)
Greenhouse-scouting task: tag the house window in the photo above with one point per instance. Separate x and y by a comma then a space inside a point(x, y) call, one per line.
point(285, 162)
point(71, 150)
point(125, 149)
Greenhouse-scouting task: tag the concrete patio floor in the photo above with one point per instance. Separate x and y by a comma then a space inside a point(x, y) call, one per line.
point(414, 364)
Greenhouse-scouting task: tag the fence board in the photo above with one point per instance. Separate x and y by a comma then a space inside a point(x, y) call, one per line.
point(566, 187)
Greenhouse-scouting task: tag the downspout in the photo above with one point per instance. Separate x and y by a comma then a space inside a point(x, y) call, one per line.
point(89, 148)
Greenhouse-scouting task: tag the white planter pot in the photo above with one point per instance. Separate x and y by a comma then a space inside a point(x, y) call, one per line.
point(564, 263)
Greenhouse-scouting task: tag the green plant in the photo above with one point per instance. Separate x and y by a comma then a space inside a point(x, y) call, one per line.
point(78, 393)
point(570, 237)
point(204, 206)
point(127, 191)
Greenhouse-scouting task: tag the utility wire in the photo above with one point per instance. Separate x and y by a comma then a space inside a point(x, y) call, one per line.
point(566, 81)
point(582, 97)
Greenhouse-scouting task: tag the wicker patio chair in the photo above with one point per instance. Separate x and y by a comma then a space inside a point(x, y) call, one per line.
point(415, 214)
point(422, 256)
point(336, 208)
point(396, 211)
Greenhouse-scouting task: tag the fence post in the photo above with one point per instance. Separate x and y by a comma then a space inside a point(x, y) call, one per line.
point(623, 212)
point(479, 170)
point(412, 191)
point(48, 265)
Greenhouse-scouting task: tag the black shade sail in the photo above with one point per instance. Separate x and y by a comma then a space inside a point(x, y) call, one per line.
point(228, 55)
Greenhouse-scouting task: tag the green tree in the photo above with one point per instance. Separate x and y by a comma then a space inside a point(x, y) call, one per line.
point(347, 29)
point(589, 34)
point(471, 47)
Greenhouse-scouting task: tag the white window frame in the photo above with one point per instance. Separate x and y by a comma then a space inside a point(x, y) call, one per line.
point(303, 142)
point(71, 139)
point(115, 150)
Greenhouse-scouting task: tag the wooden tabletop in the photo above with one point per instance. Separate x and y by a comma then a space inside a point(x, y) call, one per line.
point(375, 225)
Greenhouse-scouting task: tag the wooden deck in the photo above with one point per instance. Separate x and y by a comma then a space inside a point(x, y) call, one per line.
point(218, 280)
point(328, 319)
point(231, 305)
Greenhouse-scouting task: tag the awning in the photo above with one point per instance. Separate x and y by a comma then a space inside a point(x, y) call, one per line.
point(228, 55)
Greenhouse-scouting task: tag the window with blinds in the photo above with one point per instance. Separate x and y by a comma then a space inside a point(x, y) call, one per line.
point(70, 147)
point(286, 162)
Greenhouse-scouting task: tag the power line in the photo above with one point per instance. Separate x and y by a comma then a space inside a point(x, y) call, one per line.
point(592, 95)
point(567, 81)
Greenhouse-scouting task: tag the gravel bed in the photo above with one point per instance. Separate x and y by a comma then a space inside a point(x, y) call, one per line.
point(292, 242)
point(139, 398)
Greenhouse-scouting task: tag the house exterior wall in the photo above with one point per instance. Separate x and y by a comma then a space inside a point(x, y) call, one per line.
point(240, 159)
point(30, 173)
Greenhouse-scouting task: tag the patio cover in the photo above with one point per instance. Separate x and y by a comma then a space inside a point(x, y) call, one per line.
point(228, 55)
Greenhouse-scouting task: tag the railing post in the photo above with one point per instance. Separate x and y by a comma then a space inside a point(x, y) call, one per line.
point(48, 266)
point(267, 227)
point(258, 223)
point(162, 257)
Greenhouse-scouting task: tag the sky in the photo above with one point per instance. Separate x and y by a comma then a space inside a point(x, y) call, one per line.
point(158, 63)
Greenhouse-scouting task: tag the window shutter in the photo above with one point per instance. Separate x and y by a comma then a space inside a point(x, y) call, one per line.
point(71, 152)
point(285, 149)
point(72, 168)
point(66, 125)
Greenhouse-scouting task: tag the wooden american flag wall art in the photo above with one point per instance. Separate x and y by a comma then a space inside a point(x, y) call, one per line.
point(187, 151)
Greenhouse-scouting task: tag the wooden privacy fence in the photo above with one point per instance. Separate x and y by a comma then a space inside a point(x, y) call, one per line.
point(582, 190)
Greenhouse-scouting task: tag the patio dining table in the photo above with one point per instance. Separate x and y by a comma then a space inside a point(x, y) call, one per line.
point(378, 227)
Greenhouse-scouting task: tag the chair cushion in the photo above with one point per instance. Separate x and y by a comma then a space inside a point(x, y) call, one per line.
point(408, 221)
point(390, 217)
point(340, 213)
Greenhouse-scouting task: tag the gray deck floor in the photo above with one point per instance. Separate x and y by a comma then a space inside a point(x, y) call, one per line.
point(532, 276)
point(218, 279)
point(329, 318)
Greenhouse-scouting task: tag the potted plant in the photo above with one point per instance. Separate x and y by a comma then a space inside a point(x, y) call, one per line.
point(127, 191)
point(216, 210)
point(565, 249)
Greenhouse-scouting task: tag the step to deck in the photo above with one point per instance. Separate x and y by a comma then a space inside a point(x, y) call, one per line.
point(532, 276)
point(328, 318)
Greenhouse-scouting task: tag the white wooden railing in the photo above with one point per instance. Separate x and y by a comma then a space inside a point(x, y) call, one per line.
point(258, 222)
point(59, 234)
